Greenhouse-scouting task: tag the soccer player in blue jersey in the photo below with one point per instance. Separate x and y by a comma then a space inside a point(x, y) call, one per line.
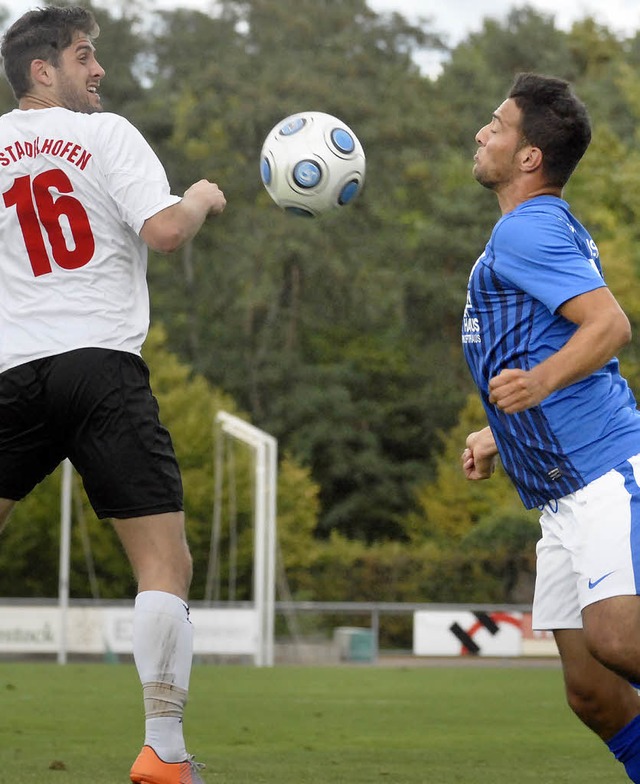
point(540, 334)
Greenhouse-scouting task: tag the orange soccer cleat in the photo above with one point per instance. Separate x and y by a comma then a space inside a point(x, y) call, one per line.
point(150, 769)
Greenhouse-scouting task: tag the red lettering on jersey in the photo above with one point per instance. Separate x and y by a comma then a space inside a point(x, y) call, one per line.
point(40, 210)
point(84, 160)
point(73, 152)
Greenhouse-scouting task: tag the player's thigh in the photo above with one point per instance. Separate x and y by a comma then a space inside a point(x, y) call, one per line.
point(579, 667)
point(612, 629)
point(157, 549)
point(153, 538)
point(119, 446)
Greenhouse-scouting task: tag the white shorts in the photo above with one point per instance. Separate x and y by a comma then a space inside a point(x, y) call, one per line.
point(590, 548)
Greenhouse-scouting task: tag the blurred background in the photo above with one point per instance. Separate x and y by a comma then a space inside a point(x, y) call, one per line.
point(340, 336)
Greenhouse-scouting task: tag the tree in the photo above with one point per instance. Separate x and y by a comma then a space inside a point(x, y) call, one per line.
point(505, 544)
point(451, 506)
point(289, 315)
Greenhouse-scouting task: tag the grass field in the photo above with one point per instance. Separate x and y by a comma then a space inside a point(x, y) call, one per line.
point(82, 724)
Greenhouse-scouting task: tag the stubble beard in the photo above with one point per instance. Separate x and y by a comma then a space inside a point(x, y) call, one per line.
point(77, 101)
point(482, 178)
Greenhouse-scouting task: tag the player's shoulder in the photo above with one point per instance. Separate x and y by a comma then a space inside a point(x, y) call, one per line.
point(533, 222)
point(113, 132)
point(7, 116)
point(58, 119)
point(536, 211)
point(108, 121)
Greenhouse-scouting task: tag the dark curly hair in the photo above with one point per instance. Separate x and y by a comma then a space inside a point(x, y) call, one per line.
point(41, 34)
point(553, 119)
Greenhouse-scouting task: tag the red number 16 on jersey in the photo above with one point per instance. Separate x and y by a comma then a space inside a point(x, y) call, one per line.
point(38, 208)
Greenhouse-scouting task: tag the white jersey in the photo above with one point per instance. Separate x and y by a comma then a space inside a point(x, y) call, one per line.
point(75, 191)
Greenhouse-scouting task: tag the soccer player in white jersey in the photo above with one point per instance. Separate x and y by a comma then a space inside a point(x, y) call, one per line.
point(540, 335)
point(83, 196)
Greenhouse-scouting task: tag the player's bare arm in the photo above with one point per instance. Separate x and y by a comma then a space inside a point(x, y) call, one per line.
point(170, 228)
point(603, 330)
point(480, 455)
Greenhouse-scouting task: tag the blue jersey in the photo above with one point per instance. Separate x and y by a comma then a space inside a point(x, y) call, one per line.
point(538, 257)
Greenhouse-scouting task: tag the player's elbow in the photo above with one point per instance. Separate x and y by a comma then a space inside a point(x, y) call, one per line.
point(165, 231)
point(628, 334)
point(620, 330)
point(166, 240)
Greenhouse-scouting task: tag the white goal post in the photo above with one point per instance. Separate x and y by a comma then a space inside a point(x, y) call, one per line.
point(66, 492)
point(265, 451)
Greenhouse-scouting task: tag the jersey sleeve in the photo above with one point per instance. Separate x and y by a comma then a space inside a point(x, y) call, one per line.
point(136, 179)
point(540, 255)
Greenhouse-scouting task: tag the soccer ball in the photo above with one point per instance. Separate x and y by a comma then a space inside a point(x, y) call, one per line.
point(312, 162)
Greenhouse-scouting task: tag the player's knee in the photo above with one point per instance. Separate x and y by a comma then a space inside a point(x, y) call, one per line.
point(170, 570)
point(178, 568)
point(583, 701)
point(591, 706)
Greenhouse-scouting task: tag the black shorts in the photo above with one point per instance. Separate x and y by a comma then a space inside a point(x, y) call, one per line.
point(94, 406)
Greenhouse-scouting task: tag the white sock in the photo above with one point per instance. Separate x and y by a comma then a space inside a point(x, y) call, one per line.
point(163, 652)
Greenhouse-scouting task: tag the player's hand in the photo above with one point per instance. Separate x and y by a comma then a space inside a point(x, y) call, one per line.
point(514, 390)
point(480, 455)
point(210, 194)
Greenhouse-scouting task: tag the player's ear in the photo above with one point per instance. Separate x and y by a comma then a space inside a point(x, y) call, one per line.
point(530, 158)
point(41, 73)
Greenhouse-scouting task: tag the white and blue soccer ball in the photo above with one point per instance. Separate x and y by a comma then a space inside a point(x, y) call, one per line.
point(312, 162)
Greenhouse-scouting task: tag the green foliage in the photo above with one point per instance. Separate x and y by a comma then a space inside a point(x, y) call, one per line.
point(482, 524)
point(605, 195)
point(297, 516)
point(30, 544)
point(450, 506)
point(504, 544)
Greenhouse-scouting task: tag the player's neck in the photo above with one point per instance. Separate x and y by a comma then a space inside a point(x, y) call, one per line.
point(509, 199)
point(35, 101)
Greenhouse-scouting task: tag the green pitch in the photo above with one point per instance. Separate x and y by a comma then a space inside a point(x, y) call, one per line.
point(82, 724)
